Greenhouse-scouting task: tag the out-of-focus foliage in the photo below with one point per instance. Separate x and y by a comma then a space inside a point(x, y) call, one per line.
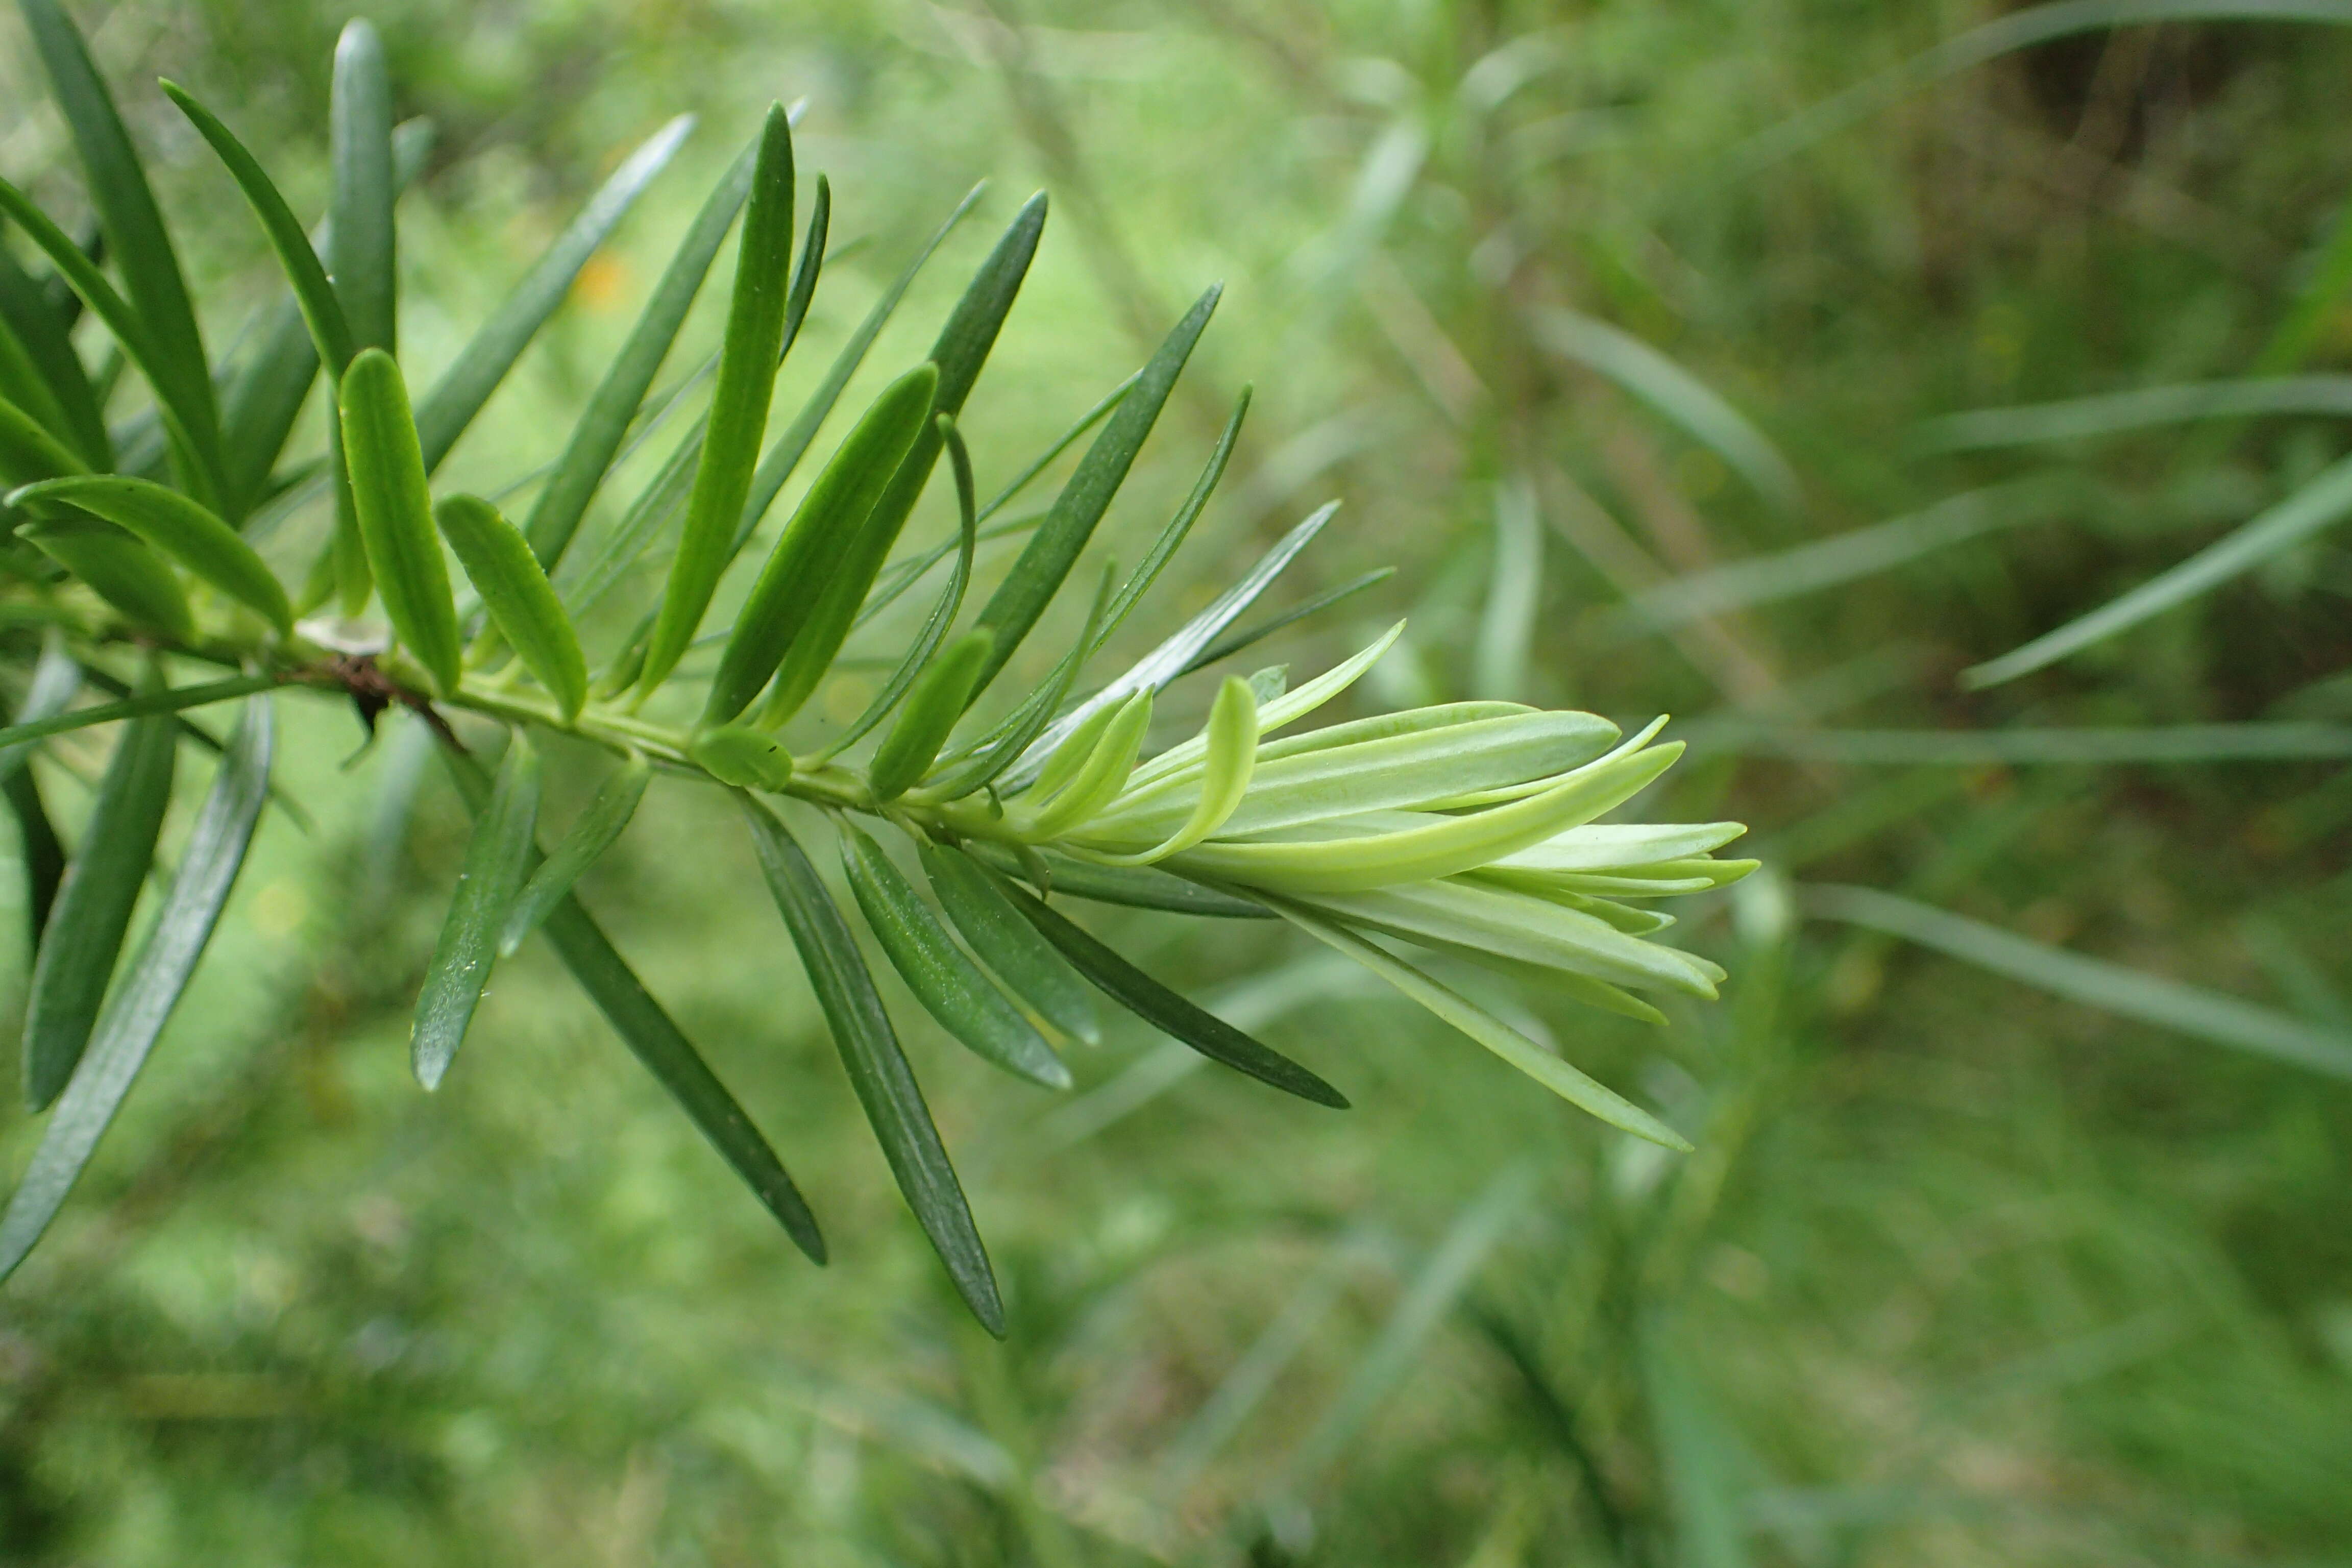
point(1959, 1274)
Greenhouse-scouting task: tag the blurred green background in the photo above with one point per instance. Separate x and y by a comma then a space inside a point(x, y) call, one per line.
point(1962, 1274)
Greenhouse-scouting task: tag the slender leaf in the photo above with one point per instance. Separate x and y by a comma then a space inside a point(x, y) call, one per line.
point(497, 861)
point(656, 1041)
point(960, 352)
point(1135, 887)
point(1032, 968)
point(791, 446)
point(599, 825)
point(602, 426)
point(1249, 637)
point(322, 311)
point(28, 452)
point(800, 568)
point(2089, 746)
point(943, 612)
point(1000, 748)
point(361, 244)
point(930, 711)
point(744, 756)
point(499, 563)
point(444, 412)
point(1099, 774)
point(1179, 653)
point(50, 353)
point(2151, 999)
point(2321, 502)
point(395, 514)
point(1171, 1014)
point(1044, 566)
point(119, 569)
point(1288, 707)
point(1179, 527)
point(950, 987)
point(38, 852)
point(1550, 1070)
point(1231, 735)
point(739, 407)
point(134, 1018)
point(93, 907)
point(2142, 408)
point(169, 699)
point(175, 403)
point(878, 1069)
point(174, 348)
point(178, 528)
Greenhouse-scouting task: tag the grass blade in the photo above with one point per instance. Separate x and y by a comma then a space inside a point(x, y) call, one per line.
point(739, 407)
point(2146, 407)
point(950, 987)
point(1674, 391)
point(52, 356)
point(93, 907)
point(395, 509)
point(2321, 502)
point(804, 567)
point(141, 244)
point(1046, 563)
point(596, 831)
point(497, 860)
point(960, 352)
point(499, 563)
point(1029, 965)
point(484, 362)
point(178, 528)
point(604, 424)
point(1442, 1002)
point(878, 1069)
point(1166, 1011)
point(656, 1041)
point(151, 988)
point(2167, 1003)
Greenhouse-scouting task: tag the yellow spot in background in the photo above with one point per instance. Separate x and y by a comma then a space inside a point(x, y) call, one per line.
point(279, 909)
point(602, 286)
point(847, 697)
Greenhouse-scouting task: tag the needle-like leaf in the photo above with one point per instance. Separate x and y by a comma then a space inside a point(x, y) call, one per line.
point(178, 528)
point(395, 514)
point(807, 556)
point(496, 863)
point(38, 851)
point(950, 987)
point(602, 426)
point(1029, 966)
point(118, 568)
point(1039, 573)
point(1231, 735)
point(739, 407)
point(657, 1042)
point(175, 361)
point(1489, 1031)
point(1100, 775)
point(1171, 1014)
point(443, 413)
point(499, 563)
point(1133, 887)
point(151, 987)
point(50, 352)
point(593, 832)
point(166, 700)
point(930, 711)
point(93, 909)
point(29, 451)
point(878, 1069)
point(943, 612)
point(361, 245)
point(960, 352)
